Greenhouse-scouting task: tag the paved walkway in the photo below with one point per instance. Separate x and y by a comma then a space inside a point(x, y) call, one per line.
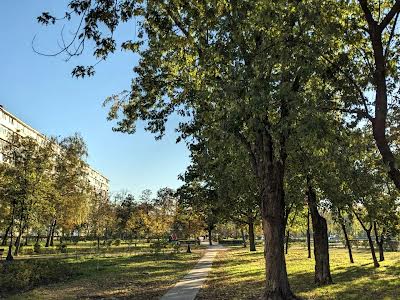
point(190, 285)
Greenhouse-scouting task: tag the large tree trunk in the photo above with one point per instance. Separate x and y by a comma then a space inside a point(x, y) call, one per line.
point(379, 242)
point(251, 235)
point(320, 234)
point(348, 245)
point(273, 217)
point(209, 237)
point(308, 234)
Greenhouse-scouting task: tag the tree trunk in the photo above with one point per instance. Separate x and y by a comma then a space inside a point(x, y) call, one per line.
point(26, 239)
point(251, 236)
point(379, 242)
point(4, 241)
point(53, 229)
point(17, 244)
point(209, 237)
point(348, 245)
point(9, 254)
point(287, 241)
point(49, 235)
point(371, 246)
point(320, 234)
point(370, 242)
point(18, 240)
point(273, 217)
point(378, 122)
point(243, 238)
point(308, 234)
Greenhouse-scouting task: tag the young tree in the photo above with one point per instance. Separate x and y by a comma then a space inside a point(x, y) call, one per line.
point(71, 200)
point(29, 184)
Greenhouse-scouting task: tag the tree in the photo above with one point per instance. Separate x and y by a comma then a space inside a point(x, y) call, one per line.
point(102, 215)
point(221, 162)
point(29, 184)
point(71, 200)
point(237, 66)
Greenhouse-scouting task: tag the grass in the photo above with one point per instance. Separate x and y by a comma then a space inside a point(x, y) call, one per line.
point(239, 274)
point(143, 276)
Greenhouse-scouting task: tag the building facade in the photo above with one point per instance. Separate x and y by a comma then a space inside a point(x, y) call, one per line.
point(10, 124)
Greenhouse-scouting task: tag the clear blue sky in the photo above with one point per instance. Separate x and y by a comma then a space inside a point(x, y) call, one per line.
point(40, 91)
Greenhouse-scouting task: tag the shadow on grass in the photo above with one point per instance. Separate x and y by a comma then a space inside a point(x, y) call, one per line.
point(234, 278)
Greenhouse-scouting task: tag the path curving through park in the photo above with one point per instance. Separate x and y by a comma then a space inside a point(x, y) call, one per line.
point(190, 285)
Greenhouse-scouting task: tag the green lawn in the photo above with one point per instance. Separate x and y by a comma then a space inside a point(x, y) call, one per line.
point(143, 276)
point(239, 274)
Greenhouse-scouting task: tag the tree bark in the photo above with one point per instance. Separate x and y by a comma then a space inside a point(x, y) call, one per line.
point(287, 241)
point(19, 237)
point(273, 218)
point(371, 246)
point(243, 238)
point(348, 245)
point(378, 122)
point(209, 237)
point(370, 242)
point(320, 234)
point(379, 242)
point(308, 234)
point(53, 229)
point(4, 241)
point(49, 235)
point(251, 235)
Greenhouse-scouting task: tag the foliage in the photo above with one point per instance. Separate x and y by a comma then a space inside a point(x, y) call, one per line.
point(23, 275)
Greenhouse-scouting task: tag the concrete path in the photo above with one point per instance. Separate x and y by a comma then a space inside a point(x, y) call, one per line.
point(190, 285)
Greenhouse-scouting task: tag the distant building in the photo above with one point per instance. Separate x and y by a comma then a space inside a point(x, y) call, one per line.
point(10, 124)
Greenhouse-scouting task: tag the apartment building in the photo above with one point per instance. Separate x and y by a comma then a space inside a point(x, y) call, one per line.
point(10, 124)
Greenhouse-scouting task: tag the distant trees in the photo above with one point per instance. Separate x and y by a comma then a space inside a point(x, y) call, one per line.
point(44, 187)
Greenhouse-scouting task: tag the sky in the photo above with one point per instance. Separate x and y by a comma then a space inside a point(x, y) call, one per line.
point(41, 92)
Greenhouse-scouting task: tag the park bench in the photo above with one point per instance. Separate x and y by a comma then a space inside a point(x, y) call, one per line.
point(1, 253)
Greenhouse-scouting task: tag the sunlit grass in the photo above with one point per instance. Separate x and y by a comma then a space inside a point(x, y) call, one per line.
point(129, 276)
point(239, 274)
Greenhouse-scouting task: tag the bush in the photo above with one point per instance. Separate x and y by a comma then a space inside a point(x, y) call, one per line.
point(176, 247)
point(63, 248)
point(36, 248)
point(117, 242)
point(24, 275)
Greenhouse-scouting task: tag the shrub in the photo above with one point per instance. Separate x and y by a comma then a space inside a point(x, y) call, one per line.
point(117, 242)
point(36, 248)
point(62, 247)
point(24, 275)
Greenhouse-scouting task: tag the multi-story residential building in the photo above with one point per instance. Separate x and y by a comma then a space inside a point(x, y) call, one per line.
point(10, 124)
